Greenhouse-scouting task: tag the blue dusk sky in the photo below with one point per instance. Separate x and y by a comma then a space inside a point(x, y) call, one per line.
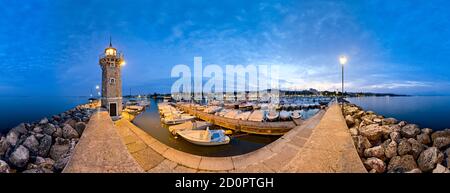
point(52, 47)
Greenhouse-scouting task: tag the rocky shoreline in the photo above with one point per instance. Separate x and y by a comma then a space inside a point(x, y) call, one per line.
point(44, 146)
point(386, 145)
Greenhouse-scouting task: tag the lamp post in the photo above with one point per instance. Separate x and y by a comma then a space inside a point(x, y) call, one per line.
point(343, 60)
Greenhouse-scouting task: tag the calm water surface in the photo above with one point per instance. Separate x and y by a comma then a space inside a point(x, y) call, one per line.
point(426, 111)
point(151, 123)
point(15, 110)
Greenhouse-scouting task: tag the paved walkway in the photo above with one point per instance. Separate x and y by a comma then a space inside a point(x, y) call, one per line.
point(101, 149)
point(321, 144)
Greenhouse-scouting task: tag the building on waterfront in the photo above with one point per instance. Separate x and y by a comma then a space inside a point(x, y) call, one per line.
point(111, 63)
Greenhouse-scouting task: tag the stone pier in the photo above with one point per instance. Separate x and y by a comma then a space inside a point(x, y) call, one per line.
point(320, 144)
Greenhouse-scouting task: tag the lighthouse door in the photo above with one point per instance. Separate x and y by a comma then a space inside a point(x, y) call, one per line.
point(112, 109)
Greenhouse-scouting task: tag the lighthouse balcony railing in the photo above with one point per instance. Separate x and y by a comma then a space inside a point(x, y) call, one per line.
point(118, 55)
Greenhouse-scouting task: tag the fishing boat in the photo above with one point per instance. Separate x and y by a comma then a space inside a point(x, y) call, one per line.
point(285, 115)
point(273, 115)
point(243, 116)
point(296, 114)
point(257, 115)
point(189, 125)
point(205, 137)
point(177, 119)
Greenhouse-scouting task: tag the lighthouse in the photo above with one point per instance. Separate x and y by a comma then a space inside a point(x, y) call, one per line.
point(111, 63)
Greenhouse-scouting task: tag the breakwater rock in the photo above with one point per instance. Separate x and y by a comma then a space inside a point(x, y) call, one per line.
point(389, 145)
point(44, 146)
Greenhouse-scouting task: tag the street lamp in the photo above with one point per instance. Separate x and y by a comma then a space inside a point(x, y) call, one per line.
point(343, 60)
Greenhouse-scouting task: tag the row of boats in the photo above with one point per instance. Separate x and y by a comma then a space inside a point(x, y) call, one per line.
point(258, 115)
point(193, 131)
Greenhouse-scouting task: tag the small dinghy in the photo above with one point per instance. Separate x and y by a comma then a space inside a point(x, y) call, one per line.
point(257, 115)
point(296, 114)
point(243, 116)
point(285, 115)
point(189, 125)
point(205, 137)
point(273, 115)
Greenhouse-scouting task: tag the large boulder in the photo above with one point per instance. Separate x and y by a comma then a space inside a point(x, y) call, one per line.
point(402, 123)
point(410, 131)
point(429, 158)
point(49, 129)
point(401, 164)
point(79, 127)
point(361, 143)
point(395, 136)
point(375, 164)
point(12, 137)
point(404, 147)
point(441, 169)
point(427, 131)
point(391, 149)
point(19, 157)
point(441, 142)
point(61, 163)
point(46, 163)
point(353, 131)
point(377, 151)
point(443, 133)
point(416, 147)
point(389, 121)
point(373, 132)
point(58, 150)
point(4, 167)
point(69, 132)
point(349, 120)
point(43, 121)
point(58, 132)
point(32, 144)
point(350, 110)
point(71, 122)
point(45, 145)
point(3, 146)
point(20, 129)
point(424, 138)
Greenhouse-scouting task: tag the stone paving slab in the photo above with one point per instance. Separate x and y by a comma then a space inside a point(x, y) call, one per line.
point(101, 149)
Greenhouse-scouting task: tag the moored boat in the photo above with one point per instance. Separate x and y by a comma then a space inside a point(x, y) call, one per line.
point(257, 115)
point(205, 137)
point(285, 115)
point(273, 115)
point(296, 114)
point(243, 116)
point(189, 125)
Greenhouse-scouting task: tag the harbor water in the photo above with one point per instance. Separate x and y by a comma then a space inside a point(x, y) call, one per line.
point(426, 111)
point(240, 143)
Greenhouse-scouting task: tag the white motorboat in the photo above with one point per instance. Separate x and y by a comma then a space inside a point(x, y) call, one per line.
point(223, 112)
point(296, 114)
point(177, 119)
point(264, 106)
point(189, 125)
point(273, 115)
point(243, 116)
point(231, 114)
point(285, 115)
point(205, 137)
point(257, 115)
point(212, 109)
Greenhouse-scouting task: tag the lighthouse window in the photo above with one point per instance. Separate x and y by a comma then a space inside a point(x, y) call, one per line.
point(112, 81)
point(112, 65)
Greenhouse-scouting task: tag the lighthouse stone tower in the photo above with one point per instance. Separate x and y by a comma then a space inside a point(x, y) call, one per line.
point(111, 63)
